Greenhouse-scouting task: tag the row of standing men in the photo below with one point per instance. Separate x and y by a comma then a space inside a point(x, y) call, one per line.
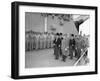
point(35, 41)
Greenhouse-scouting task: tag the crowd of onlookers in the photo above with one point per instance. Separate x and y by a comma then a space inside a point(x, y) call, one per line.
point(64, 44)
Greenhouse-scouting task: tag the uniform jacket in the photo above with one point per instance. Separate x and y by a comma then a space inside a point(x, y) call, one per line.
point(57, 42)
point(72, 43)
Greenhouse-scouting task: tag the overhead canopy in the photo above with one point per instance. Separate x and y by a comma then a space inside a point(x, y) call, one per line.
point(79, 19)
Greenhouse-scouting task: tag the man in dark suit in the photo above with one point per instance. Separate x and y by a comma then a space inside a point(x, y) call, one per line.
point(71, 46)
point(57, 42)
point(60, 41)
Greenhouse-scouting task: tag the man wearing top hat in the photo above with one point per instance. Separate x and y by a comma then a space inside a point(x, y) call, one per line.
point(57, 43)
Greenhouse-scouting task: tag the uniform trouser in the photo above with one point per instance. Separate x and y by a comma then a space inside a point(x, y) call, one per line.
point(26, 46)
point(51, 44)
point(72, 51)
point(60, 51)
point(47, 44)
point(75, 52)
point(37, 45)
point(44, 44)
point(30, 46)
point(33, 44)
point(78, 53)
point(56, 52)
point(40, 44)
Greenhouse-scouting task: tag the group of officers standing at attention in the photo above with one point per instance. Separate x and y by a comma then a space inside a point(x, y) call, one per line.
point(37, 40)
point(70, 45)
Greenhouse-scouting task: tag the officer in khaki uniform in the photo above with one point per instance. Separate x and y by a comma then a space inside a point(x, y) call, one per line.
point(41, 41)
point(30, 41)
point(34, 38)
point(37, 41)
point(52, 38)
point(26, 41)
point(44, 36)
point(47, 41)
point(50, 41)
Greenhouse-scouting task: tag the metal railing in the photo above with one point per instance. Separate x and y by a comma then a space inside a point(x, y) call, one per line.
point(82, 54)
